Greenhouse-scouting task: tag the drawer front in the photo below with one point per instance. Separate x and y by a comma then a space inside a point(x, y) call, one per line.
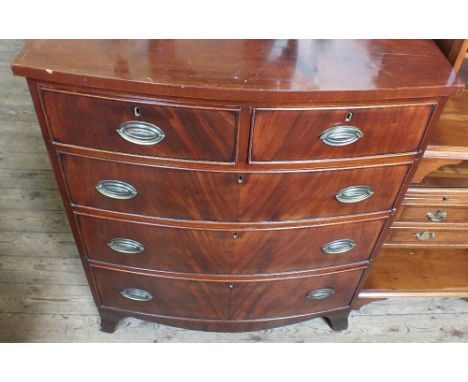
point(168, 131)
point(226, 252)
point(164, 296)
point(425, 236)
point(218, 196)
point(435, 213)
point(279, 298)
point(326, 133)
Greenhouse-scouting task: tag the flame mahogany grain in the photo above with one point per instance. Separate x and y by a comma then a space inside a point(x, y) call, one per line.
point(202, 184)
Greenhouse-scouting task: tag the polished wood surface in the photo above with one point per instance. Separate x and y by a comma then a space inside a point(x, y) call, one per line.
point(406, 271)
point(441, 236)
point(236, 196)
point(243, 300)
point(450, 136)
point(260, 70)
point(188, 195)
point(190, 132)
point(45, 296)
point(280, 134)
point(215, 251)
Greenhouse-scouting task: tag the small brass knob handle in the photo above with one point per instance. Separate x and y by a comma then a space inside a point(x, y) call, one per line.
point(339, 246)
point(354, 194)
point(127, 246)
point(341, 135)
point(136, 294)
point(116, 189)
point(320, 294)
point(436, 216)
point(141, 133)
point(425, 235)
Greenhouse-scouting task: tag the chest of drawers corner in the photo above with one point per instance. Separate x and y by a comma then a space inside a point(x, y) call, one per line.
point(234, 193)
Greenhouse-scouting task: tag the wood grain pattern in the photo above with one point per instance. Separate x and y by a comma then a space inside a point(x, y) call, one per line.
point(334, 70)
point(191, 132)
point(444, 236)
point(179, 249)
point(408, 213)
point(49, 300)
point(294, 134)
point(175, 299)
point(412, 269)
point(219, 197)
point(181, 194)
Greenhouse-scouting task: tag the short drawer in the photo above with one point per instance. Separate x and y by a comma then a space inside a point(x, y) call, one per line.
point(295, 296)
point(162, 296)
point(156, 247)
point(427, 236)
point(142, 127)
point(433, 213)
point(225, 196)
point(284, 135)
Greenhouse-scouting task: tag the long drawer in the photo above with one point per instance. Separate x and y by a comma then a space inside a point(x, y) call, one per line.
point(282, 135)
point(239, 300)
point(179, 249)
point(224, 196)
point(141, 126)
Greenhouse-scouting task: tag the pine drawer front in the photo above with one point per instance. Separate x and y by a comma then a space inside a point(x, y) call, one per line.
point(294, 296)
point(142, 127)
point(433, 213)
point(225, 196)
point(288, 135)
point(427, 236)
point(162, 296)
point(176, 249)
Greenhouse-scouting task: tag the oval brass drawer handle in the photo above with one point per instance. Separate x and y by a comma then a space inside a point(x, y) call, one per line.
point(425, 235)
point(127, 246)
point(339, 246)
point(141, 133)
point(116, 189)
point(437, 216)
point(354, 194)
point(341, 135)
point(320, 294)
point(136, 294)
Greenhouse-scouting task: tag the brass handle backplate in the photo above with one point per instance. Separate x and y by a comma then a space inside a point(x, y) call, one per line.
point(339, 246)
point(116, 189)
point(436, 216)
point(425, 235)
point(341, 135)
point(136, 294)
point(141, 133)
point(127, 246)
point(354, 194)
point(320, 294)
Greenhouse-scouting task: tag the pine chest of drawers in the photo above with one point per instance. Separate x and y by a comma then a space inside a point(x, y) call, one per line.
point(232, 185)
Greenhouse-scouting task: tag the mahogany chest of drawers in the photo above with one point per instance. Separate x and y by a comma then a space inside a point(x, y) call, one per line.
point(233, 185)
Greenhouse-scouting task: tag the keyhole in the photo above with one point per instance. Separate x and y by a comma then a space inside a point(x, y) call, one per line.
point(240, 180)
point(235, 235)
point(348, 117)
point(231, 285)
point(137, 111)
point(445, 198)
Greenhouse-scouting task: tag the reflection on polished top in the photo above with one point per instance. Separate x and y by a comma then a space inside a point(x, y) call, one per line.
point(252, 69)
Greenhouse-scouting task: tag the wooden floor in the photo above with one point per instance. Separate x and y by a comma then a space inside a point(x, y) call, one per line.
point(44, 295)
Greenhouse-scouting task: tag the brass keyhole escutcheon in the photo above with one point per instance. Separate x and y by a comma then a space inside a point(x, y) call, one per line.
point(137, 111)
point(348, 117)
